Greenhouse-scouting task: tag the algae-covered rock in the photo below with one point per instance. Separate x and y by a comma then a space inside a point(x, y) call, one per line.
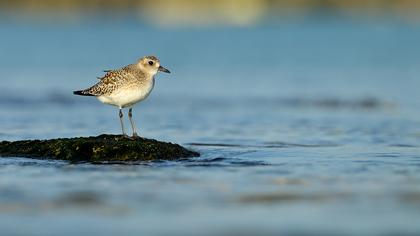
point(103, 148)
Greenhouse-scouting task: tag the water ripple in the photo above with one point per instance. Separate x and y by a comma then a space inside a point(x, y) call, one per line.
point(275, 144)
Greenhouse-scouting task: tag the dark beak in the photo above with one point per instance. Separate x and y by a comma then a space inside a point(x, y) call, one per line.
point(163, 69)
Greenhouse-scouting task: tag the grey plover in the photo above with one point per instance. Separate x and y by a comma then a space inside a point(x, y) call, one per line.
point(126, 86)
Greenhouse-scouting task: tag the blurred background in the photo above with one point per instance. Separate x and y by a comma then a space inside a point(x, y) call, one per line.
point(306, 113)
point(230, 12)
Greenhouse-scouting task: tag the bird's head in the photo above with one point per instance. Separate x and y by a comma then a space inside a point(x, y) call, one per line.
point(151, 65)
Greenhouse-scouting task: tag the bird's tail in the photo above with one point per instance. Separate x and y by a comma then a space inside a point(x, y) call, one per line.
point(82, 93)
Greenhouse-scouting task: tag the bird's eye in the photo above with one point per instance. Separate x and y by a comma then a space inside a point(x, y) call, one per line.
point(151, 63)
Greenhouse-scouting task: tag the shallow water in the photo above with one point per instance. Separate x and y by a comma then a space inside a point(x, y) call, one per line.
point(305, 127)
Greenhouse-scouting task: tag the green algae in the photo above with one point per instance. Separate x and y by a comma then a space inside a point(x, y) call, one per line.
point(103, 148)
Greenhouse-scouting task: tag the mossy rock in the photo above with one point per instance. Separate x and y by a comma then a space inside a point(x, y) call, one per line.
point(103, 148)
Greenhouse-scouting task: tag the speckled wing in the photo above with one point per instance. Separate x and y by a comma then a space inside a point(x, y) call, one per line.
point(111, 81)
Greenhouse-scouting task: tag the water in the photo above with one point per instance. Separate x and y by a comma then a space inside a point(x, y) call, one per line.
point(306, 127)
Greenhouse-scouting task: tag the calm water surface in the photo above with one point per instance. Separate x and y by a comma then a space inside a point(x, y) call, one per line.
point(307, 127)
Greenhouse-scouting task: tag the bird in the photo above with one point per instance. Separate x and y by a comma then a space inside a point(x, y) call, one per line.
point(126, 86)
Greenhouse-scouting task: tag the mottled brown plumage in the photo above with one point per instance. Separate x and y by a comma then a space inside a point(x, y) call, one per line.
point(128, 76)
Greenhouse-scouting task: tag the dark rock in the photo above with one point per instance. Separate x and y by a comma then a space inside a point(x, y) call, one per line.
point(103, 148)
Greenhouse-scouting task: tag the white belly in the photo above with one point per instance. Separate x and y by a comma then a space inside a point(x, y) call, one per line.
point(127, 97)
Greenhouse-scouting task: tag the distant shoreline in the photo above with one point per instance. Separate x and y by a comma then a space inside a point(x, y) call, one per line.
point(189, 12)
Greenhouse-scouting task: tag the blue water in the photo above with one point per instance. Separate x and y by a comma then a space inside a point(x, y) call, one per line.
point(306, 127)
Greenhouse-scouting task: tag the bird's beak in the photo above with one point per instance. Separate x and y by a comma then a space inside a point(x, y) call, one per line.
point(163, 69)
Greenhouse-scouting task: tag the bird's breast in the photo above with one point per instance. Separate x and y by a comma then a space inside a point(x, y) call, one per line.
point(129, 95)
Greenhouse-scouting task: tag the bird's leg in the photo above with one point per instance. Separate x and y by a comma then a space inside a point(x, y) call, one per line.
point(133, 126)
point(122, 123)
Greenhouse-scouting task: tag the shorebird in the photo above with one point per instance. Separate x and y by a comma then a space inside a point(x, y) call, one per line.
point(126, 86)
